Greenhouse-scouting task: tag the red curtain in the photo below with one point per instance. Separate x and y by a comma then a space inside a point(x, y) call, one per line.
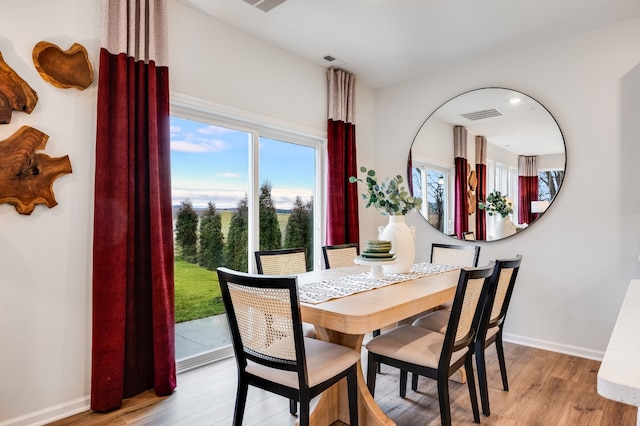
point(133, 308)
point(342, 196)
point(481, 194)
point(461, 219)
point(481, 188)
point(461, 206)
point(527, 192)
point(527, 187)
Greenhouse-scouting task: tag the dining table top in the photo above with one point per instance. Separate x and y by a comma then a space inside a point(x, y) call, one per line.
point(363, 312)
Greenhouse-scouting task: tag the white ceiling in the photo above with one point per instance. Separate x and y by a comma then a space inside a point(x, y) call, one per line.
point(384, 42)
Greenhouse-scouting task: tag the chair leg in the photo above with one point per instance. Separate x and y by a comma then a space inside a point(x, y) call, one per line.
point(471, 382)
point(305, 402)
point(376, 333)
point(414, 381)
point(293, 406)
point(403, 383)
point(501, 361)
point(371, 373)
point(241, 400)
point(443, 399)
point(482, 378)
point(352, 388)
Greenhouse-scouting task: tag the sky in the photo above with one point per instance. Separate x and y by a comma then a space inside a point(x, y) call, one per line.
point(210, 163)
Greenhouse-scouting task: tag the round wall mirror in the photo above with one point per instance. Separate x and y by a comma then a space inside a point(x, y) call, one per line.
point(487, 163)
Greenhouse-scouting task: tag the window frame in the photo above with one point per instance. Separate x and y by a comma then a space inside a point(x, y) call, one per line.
point(189, 108)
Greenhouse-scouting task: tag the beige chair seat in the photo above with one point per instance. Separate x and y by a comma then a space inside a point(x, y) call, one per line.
point(438, 320)
point(324, 360)
point(412, 344)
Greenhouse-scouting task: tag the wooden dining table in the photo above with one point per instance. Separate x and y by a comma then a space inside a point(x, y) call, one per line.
point(346, 321)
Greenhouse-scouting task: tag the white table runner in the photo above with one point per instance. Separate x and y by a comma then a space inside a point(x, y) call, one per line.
point(324, 290)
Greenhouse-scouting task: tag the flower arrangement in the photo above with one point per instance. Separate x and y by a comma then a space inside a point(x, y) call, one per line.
point(389, 197)
point(497, 204)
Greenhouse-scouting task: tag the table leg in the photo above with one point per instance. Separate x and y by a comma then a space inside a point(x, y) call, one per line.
point(333, 405)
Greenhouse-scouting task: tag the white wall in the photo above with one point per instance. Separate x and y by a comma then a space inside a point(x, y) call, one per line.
point(590, 83)
point(580, 256)
point(45, 263)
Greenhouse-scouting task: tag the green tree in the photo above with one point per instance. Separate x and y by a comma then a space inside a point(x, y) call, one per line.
point(299, 230)
point(236, 249)
point(211, 239)
point(270, 235)
point(186, 232)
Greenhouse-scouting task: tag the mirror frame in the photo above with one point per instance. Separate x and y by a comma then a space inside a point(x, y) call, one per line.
point(553, 124)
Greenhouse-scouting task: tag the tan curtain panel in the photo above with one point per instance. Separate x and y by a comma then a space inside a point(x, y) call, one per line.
point(342, 86)
point(481, 150)
point(527, 165)
point(459, 142)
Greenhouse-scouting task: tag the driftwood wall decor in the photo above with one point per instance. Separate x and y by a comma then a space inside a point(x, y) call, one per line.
point(26, 176)
point(15, 93)
point(63, 68)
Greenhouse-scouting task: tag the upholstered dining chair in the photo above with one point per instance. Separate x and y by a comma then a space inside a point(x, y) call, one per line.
point(285, 262)
point(339, 256)
point(270, 349)
point(469, 236)
point(455, 254)
point(432, 354)
point(490, 327)
point(281, 262)
point(449, 254)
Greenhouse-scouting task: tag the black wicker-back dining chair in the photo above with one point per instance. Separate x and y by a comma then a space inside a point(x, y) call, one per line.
point(435, 355)
point(491, 322)
point(270, 349)
point(282, 261)
point(288, 261)
point(455, 254)
point(339, 256)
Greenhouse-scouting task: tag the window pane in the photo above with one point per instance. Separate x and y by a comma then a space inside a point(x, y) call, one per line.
point(435, 205)
point(436, 198)
point(549, 182)
point(287, 182)
point(209, 175)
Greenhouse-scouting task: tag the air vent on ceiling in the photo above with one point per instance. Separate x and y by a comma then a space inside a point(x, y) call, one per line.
point(481, 115)
point(265, 5)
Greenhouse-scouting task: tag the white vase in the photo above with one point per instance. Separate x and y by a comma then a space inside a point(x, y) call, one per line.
point(403, 243)
point(504, 227)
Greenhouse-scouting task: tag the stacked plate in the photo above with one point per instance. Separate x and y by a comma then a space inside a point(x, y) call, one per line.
point(378, 250)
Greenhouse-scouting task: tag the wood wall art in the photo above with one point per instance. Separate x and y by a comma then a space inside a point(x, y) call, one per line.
point(63, 68)
point(15, 93)
point(26, 176)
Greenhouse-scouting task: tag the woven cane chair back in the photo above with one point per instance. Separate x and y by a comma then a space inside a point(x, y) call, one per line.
point(281, 262)
point(264, 321)
point(339, 256)
point(450, 254)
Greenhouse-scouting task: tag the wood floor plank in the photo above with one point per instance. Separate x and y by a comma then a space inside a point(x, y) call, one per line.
point(546, 388)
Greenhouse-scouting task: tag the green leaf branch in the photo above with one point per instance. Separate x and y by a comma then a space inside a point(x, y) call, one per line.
point(497, 203)
point(389, 197)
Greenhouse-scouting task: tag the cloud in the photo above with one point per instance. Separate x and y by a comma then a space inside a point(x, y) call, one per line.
point(207, 145)
point(230, 175)
point(228, 199)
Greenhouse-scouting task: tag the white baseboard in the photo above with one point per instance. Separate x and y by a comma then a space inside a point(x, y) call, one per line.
point(553, 347)
point(50, 414)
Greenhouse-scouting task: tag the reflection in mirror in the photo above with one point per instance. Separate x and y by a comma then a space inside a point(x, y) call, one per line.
point(482, 152)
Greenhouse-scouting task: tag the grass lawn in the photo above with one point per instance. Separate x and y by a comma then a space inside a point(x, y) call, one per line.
point(197, 293)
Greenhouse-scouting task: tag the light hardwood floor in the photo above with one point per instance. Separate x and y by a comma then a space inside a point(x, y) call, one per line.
point(546, 388)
